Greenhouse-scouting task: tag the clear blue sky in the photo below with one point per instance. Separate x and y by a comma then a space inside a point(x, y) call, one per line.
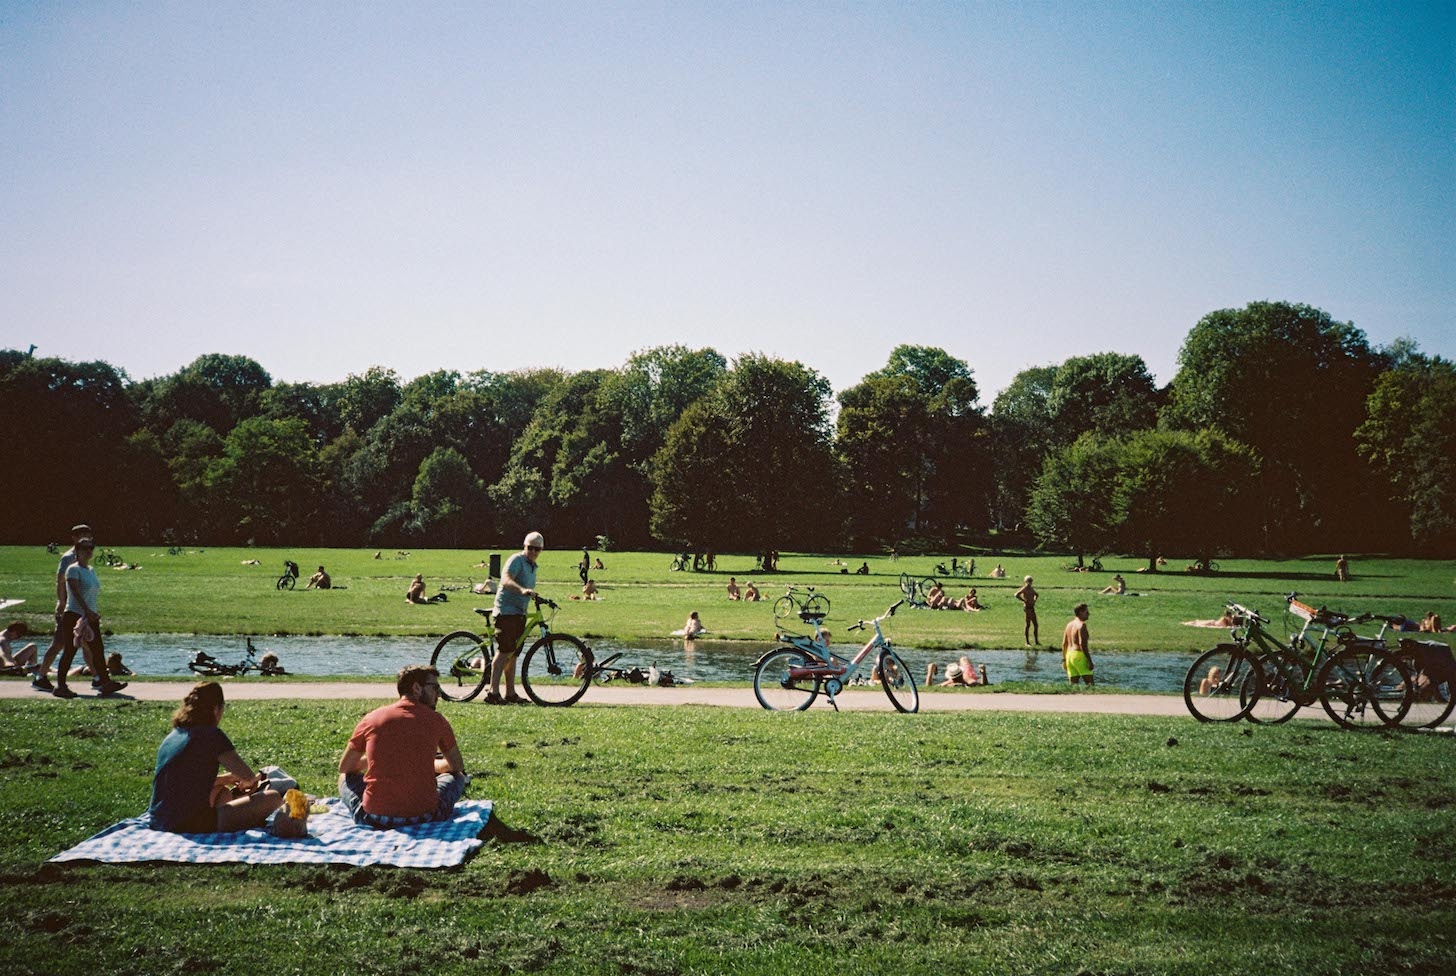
point(325, 187)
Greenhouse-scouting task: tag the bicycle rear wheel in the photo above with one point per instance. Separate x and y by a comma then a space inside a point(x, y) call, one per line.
point(1365, 687)
point(818, 603)
point(286, 582)
point(1278, 699)
point(1222, 685)
point(898, 682)
point(463, 660)
point(556, 670)
point(1432, 694)
point(777, 686)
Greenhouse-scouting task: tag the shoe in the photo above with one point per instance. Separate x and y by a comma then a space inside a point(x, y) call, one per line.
point(516, 700)
point(493, 698)
point(61, 691)
point(95, 682)
point(41, 683)
point(112, 687)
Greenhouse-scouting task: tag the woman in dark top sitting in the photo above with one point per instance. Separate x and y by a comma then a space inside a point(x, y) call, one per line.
point(188, 796)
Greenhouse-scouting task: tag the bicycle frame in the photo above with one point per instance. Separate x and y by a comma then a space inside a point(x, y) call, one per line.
point(1282, 655)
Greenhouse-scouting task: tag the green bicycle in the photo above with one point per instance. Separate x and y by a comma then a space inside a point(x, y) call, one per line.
point(555, 671)
point(1257, 676)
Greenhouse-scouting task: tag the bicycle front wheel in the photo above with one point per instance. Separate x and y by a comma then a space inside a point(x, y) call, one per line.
point(778, 686)
point(1222, 685)
point(1365, 688)
point(898, 682)
point(286, 582)
point(818, 603)
point(785, 607)
point(463, 660)
point(556, 670)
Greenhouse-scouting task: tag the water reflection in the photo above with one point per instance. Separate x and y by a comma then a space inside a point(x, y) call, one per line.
point(701, 660)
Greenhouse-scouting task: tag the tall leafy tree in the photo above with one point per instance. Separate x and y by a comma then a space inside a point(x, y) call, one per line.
point(1290, 382)
point(445, 496)
point(1046, 408)
point(1183, 492)
point(71, 421)
point(1409, 437)
point(266, 480)
point(913, 444)
point(215, 389)
point(746, 467)
point(1072, 506)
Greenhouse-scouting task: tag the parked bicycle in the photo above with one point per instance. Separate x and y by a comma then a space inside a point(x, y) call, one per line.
point(289, 579)
point(680, 562)
point(1257, 676)
point(789, 678)
point(1432, 673)
point(796, 603)
point(555, 671)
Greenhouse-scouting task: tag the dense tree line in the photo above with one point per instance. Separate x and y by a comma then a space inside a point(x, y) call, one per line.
point(1282, 431)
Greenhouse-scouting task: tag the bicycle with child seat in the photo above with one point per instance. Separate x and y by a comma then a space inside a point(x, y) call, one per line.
point(1261, 678)
point(555, 670)
point(791, 677)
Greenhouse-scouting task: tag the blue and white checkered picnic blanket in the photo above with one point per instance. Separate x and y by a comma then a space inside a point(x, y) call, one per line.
point(333, 838)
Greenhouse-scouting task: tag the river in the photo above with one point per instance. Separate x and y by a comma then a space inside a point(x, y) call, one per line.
point(702, 660)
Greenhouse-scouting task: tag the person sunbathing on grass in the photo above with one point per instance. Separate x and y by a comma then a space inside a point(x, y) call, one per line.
point(188, 797)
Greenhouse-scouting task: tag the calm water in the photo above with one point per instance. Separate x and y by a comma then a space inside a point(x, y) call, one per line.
point(168, 654)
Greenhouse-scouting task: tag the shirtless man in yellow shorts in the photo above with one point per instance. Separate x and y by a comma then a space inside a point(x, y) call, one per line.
point(1075, 656)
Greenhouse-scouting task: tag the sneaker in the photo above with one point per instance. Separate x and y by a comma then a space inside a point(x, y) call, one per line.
point(41, 683)
point(112, 687)
point(95, 682)
point(61, 691)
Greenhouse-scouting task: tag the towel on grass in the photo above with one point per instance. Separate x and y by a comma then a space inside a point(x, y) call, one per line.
point(333, 838)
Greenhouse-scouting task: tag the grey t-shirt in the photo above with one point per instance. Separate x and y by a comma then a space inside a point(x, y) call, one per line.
point(510, 602)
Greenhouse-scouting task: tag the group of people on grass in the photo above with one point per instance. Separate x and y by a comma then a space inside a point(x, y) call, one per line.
point(748, 593)
point(401, 766)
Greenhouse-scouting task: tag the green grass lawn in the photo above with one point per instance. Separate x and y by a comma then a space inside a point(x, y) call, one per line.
point(695, 840)
point(211, 592)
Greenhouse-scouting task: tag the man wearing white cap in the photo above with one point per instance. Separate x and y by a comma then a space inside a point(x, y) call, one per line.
point(512, 600)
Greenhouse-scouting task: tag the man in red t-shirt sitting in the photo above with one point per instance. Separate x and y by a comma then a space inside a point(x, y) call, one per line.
point(402, 765)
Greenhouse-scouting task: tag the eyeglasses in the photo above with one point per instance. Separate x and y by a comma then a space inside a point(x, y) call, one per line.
point(533, 548)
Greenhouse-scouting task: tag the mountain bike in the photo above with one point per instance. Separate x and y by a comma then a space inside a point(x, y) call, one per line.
point(289, 579)
point(555, 671)
point(790, 678)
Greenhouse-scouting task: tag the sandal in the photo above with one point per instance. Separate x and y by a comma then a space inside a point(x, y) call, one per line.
point(516, 700)
point(493, 698)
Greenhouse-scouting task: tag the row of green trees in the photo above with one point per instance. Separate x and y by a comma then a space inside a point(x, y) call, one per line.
point(1283, 430)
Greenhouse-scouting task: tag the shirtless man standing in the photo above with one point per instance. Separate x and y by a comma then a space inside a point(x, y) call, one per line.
point(1028, 597)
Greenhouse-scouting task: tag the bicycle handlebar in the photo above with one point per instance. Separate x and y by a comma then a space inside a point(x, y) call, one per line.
point(890, 612)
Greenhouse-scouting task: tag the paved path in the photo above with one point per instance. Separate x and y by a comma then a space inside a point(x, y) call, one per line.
point(858, 700)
